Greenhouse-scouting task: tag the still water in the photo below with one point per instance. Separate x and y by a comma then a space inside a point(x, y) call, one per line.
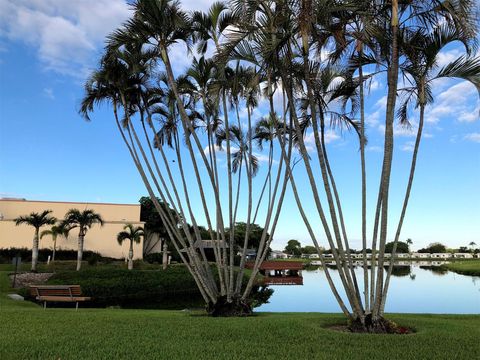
point(414, 289)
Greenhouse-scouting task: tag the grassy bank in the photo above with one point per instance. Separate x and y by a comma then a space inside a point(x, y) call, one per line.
point(466, 267)
point(28, 332)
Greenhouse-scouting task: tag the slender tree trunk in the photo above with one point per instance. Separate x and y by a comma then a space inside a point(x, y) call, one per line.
point(81, 237)
point(35, 250)
point(54, 247)
point(392, 80)
point(405, 201)
point(130, 256)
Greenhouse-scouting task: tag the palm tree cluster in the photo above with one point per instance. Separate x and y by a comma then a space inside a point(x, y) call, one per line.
point(74, 218)
point(191, 136)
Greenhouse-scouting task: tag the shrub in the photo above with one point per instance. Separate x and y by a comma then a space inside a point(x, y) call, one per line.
point(173, 288)
point(6, 255)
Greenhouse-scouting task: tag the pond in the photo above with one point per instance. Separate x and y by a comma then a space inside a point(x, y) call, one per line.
point(413, 289)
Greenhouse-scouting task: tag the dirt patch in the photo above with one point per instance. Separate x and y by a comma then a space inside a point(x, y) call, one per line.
point(339, 328)
point(25, 279)
point(398, 330)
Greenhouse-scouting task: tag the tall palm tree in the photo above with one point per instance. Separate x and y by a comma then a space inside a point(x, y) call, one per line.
point(37, 220)
point(83, 220)
point(54, 232)
point(134, 234)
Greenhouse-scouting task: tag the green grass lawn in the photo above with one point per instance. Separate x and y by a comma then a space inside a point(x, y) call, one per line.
point(465, 267)
point(29, 332)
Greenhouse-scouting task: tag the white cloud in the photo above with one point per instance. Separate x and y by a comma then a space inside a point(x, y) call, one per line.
point(408, 146)
point(373, 119)
point(374, 148)
point(309, 139)
point(400, 130)
point(382, 102)
point(48, 92)
point(445, 57)
point(66, 35)
point(458, 102)
point(470, 116)
point(374, 85)
point(475, 137)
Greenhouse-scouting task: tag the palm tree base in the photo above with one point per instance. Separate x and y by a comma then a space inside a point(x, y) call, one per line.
point(223, 308)
point(378, 326)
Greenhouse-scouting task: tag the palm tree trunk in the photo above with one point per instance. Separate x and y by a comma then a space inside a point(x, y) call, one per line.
point(81, 237)
point(54, 247)
point(249, 210)
point(130, 256)
point(267, 181)
point(35, 250)
point(364, 184)
point(405, 203)
point(392, 80)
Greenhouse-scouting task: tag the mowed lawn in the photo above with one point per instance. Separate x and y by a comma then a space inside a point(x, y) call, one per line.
point(29, 332)
point(466, 267)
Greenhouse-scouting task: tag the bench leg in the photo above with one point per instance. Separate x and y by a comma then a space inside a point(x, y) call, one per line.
point(76, 307)
point(44, 305)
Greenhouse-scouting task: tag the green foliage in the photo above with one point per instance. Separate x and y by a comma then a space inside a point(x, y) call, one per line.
point(309, 249)
point(151, 217)
point(173, 288)
point(37, 220)
point(434, 248)
point(120, 287)
point(293, 247)
point(255, 234)
point(402, 247)
point(26, 254)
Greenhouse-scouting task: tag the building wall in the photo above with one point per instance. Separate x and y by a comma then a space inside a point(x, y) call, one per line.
point(99, 239)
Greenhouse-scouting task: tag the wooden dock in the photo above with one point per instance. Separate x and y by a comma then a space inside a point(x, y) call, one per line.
point(280, 272)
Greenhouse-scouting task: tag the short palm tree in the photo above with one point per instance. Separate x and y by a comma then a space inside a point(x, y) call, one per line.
point(84, 220)
point(37, 220)
point(409, 242)
point(134, 234)
point(54, 232)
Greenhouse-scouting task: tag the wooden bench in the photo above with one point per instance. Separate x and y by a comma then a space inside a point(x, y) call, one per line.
point(58, 293)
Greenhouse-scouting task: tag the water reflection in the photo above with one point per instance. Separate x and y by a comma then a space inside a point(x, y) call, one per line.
point(417, 287)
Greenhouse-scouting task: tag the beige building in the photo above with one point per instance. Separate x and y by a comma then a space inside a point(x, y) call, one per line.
point(99, 239)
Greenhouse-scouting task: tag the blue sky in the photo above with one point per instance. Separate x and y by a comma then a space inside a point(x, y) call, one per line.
point(47, 152)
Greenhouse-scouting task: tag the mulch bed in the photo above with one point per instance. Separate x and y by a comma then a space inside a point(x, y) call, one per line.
point(25, 279)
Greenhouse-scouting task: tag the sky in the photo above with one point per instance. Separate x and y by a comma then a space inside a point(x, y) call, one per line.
point(48, 152)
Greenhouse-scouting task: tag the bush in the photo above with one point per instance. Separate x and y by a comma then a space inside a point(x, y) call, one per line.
point(173, 288)
point(154, 258)
point(6, 255)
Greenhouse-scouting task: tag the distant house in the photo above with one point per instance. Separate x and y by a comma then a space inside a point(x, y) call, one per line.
point(463, 256)
point(421, 255)
point(276, 254)
point(477, 255)
point(441, 255)
point(402, 255)
point(210, 244)
point(314, 256)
